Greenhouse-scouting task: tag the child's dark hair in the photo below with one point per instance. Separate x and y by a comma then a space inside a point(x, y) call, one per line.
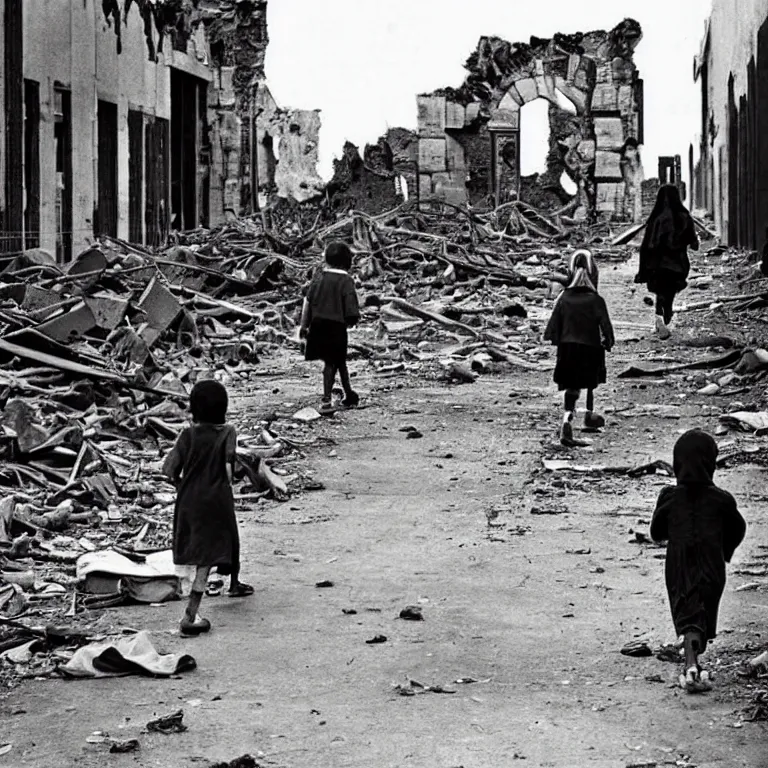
point(208, 402)
point(338, 255)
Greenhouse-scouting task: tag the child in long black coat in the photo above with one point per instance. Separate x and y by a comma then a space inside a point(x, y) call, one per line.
point(581, 329)
point(702, 527)
point(331, 307)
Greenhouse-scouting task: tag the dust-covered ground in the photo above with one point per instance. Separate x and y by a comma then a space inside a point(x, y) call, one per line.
point(530, 583)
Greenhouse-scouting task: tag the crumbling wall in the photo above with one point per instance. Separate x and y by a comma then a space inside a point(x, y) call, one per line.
point(469, 137)
point(379, 180)
point(287, 147)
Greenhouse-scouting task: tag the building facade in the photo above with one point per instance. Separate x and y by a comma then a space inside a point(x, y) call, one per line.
point(730, 176)
point(126, 118)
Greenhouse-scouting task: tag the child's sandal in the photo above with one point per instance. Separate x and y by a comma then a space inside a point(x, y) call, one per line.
point(194, 628)
point(241, 590)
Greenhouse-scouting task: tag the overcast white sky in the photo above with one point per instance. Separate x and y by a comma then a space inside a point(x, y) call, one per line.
point(362, 62)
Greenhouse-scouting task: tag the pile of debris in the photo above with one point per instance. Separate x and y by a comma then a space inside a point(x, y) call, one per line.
point(98, 359)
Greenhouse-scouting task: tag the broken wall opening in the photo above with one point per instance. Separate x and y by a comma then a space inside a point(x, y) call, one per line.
point(62, 135)
point(105, 215)
point(31, 164)
point(468, 134)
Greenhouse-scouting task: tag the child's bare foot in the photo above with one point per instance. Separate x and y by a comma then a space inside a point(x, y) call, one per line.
point(240, 590)
point(695, 681)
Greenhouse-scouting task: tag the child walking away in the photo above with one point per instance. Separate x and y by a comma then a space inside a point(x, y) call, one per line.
point(664, 264)
point(201, 465)
point(702, 528)
point(330, 307)
point(581, 329)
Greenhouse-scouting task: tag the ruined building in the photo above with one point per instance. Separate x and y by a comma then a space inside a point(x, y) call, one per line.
point(469, 137)
point(134, 117)
point(730, 179)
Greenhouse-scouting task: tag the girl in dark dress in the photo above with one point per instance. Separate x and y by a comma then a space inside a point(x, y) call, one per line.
point(664, 264)
point(330, 307)
point(702, 527)
point(201, 465)
point(581, 329)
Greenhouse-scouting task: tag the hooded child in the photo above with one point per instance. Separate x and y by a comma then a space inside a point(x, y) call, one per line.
point(331, 307)
point(581, 329)
point(702, 527)
point(664, 264)
point(201, 466)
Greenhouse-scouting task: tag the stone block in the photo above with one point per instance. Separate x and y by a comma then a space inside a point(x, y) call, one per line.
point(226, 88)
point(450, 187)
point(609, 198)
point(574, 62)
point(604, 74)
point(609, 132)
point(581, 80)
point(546, 87)
point(455, 156)
point(574, 95)
point(626, 99)
point(511, 101)
point(608, 165)
point(432, 155)
point(587, 150)
point(539, 65)
point(425, 185)
point(431, 115)
point(455, 115)
point(605, 98)
point(472, 112)
point(527, 89)
point(505, 118)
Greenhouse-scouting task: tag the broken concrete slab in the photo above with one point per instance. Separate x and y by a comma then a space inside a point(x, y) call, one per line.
point(161, 308)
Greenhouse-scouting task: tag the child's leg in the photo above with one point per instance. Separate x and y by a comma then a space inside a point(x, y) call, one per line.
point(329, 377)
point(660, 305)
point(236, 587)
point(190, 624)
point(693, 645)
point(351, 398)
point(590, 400)
point(693, 680)
point(566, 431)
point(669, 301)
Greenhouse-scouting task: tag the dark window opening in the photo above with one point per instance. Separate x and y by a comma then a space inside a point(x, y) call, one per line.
point(32, 163)
point(156, 181)
point(135, 175)
point(13, 216)
point(105, 220)
point(188, 118)
point(62, 136)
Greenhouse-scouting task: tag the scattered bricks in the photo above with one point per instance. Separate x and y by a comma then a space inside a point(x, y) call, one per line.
point(609, 132)
point(432, 155)
point(431, 115)
point(608, 165)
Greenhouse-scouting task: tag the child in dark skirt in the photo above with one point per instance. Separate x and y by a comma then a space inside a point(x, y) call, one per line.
point(702, 527)
point(330, 307)
point(581, 329)
point(201, 465)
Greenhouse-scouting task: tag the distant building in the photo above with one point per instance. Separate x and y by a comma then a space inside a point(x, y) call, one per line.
point(131, 119)
point(730, 178)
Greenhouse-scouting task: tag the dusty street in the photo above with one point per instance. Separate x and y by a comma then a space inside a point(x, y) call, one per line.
point(532, 608)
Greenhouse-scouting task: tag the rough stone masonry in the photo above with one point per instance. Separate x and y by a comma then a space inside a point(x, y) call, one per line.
point(469, 137)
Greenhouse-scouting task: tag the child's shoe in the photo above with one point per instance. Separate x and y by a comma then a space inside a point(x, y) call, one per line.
point(593, 421)
point(695, 681)
point(326, 407)
point(352, 400)
point(194, 628)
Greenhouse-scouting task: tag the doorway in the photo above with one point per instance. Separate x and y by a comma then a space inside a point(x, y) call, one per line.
point(105, 220)
point(62, 137)
point(32, 163)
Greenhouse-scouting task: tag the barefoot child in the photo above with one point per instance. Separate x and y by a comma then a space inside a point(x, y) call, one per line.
point(330, 307)
point(581, 329)
point(702, 528)
point(205, 533)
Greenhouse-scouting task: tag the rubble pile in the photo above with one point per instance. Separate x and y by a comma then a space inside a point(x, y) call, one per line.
point(98, 359)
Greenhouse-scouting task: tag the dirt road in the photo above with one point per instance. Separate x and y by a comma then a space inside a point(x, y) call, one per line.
point(533, 607)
